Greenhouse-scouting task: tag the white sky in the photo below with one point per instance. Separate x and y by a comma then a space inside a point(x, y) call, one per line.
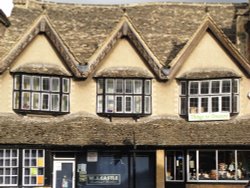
point(6, 5)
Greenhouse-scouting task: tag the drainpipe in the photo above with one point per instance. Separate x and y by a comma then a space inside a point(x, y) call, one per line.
point(134, 161)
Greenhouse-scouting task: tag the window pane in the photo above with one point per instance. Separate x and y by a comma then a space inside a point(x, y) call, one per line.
point(128, 104)
point(119, 86)
point(16, 100)
point(100, 86)
point(109, 86)
point(236, 104)
point(26, 82)
point(183, 106)
point(119, 104)
point(65, 85)
point(147, 104)
point(36, 83)
point(192, 165)
point(204, 105)
point(99, 103)
point(170, 166)
point(55, 84)
point(45, 101)
point(65, 103)
point(138, 86)
point(193, 105)
point(147, 87)
point(215, 104)
point(194, 87)
point(243, 171)
point(235, 86)
point(225, 104)
point(26, 101)
point(215, 87)
point(110, 103)
point(55, 102)
point(226, 165)
point(35, 101)
point(17, 80)
point(226, 86)
point(207, 165)
point(174, 165)
point(128, 86)
point(204, 88)
point(137, 104)
point(45, 84)
point(183, 88)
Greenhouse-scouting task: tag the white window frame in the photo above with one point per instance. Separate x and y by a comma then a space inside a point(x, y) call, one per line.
point(122, 101)
point(33, 92)
point(42, 98)
point(144, 93)
point(125, 104)
point(30, 166)
point(236, 180)
point(22, 102)
point(43, 78)
point(23, 77)
point(209, 95)
point(175, 164)
point(51, 84)
point(10, 167)
point(67, 96)
point(39, 101)
point(51, 102)
point(33, 83)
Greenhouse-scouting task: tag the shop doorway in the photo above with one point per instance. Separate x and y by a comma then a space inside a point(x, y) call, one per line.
point(64, 173)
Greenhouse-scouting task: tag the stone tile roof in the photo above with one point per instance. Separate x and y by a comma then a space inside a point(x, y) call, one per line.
point(165, 27)
point(82, 129)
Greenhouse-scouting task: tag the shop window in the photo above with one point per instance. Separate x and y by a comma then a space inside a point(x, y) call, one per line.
point(35, 93)
point(209, 99)
point(174, 166)
point(9, 167)
point(123, 96)
point(218, 165)
point(33, 167)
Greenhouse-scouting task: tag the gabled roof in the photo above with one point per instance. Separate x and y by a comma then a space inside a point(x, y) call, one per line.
point(159, 30)
point(210, 26)
point(41, 25)
point(126, 29)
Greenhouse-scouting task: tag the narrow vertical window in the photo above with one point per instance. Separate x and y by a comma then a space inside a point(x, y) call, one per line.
point(45, 84)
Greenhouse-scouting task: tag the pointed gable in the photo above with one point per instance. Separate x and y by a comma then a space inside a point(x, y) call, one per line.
point(125, 29)
point(41, 26)
point(208, 27)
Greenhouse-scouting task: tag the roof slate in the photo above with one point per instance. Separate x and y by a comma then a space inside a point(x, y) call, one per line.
point(165, 27)
point(82, 129)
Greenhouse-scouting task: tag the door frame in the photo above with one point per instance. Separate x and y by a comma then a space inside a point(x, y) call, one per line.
point(64, 160)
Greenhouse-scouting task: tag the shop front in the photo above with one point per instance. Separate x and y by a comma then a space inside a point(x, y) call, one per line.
point(102, 169)
point(219, 168)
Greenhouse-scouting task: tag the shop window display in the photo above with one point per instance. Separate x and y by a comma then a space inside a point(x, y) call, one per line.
point(218, 165)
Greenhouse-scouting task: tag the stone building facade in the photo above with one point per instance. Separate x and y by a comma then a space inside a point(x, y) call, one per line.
point(135, 96)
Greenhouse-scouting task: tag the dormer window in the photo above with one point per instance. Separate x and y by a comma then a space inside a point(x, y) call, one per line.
point(213, 99)
point(123, 96)
point(41, 93)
